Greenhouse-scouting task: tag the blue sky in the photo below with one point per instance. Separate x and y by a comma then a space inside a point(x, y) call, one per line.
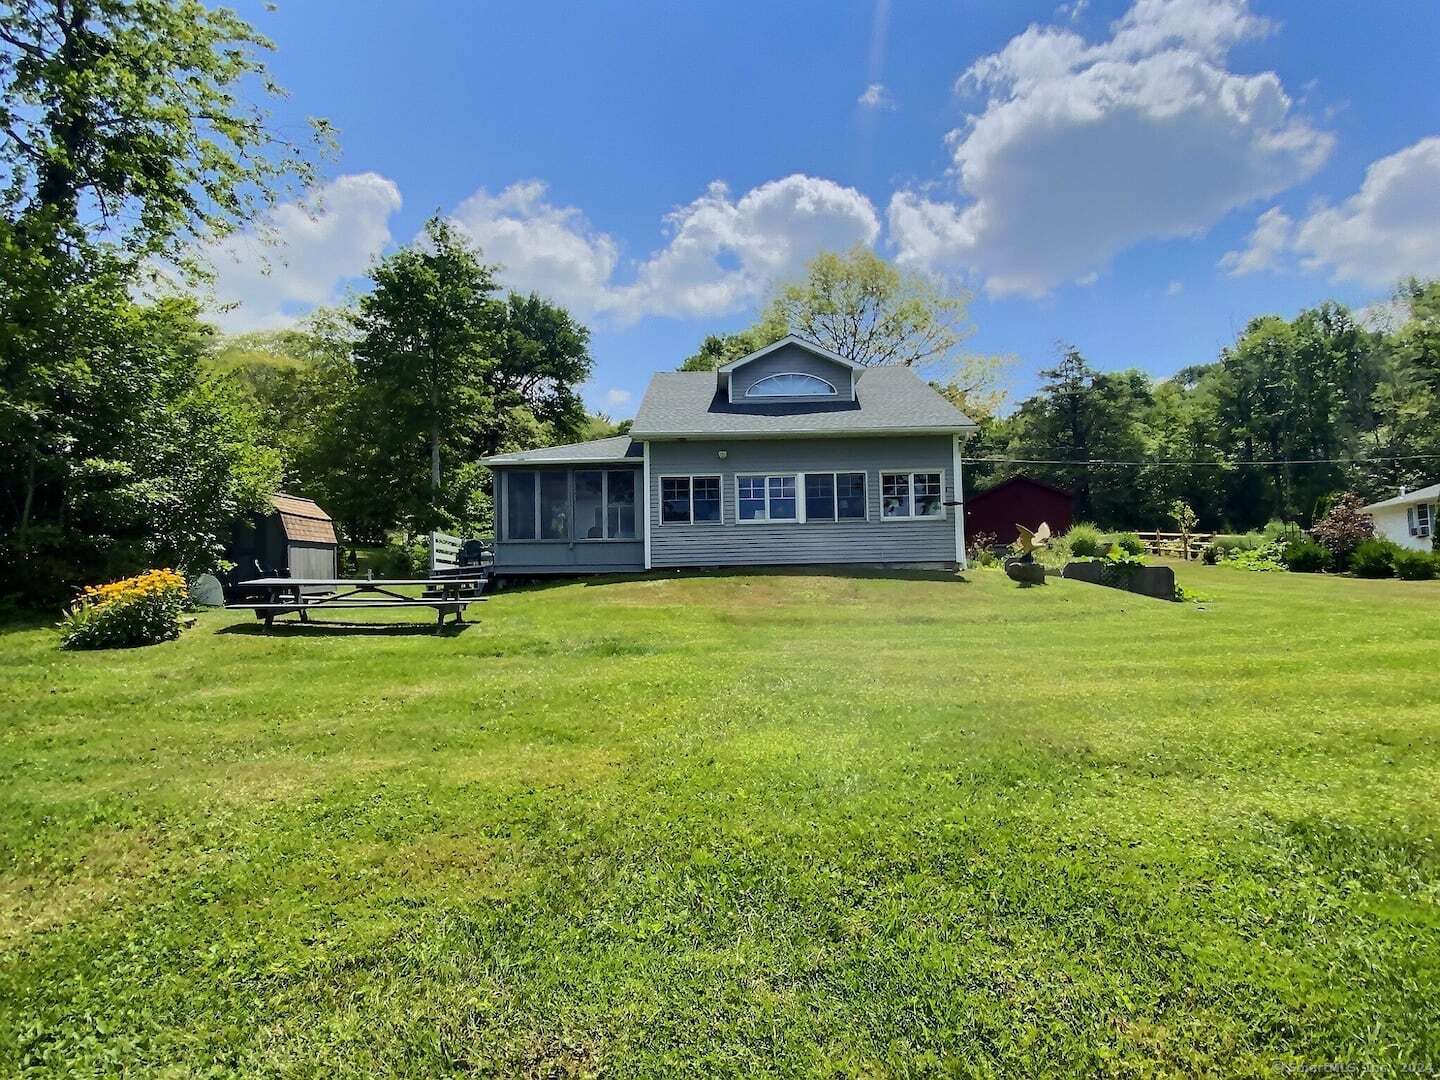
point(1137, 178)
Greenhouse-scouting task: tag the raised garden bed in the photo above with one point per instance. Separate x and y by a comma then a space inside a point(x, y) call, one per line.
point(1154, 581)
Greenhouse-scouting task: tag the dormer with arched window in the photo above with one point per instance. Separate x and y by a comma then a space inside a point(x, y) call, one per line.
point(790, 371)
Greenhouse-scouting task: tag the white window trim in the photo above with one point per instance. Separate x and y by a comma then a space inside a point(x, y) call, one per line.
point(690, 503)
point(1418, 528)
point(767, 519)
point(961, 558)
point(645, 497)
point(835, 475)
point(750, 390)
point(910, 473)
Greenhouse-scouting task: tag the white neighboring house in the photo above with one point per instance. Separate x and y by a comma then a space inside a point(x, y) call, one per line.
point(1408, 518)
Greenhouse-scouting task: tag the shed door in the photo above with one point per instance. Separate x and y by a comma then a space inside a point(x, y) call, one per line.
point(312, 561)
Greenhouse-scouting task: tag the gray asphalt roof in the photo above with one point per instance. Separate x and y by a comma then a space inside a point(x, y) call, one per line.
point(615, 448)
point(1424, 494)
point(888, 400)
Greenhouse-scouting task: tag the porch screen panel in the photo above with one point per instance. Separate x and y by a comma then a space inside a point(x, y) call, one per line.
point(589, 504)
point(520, 505)
point(555, 506)
point(620, 504)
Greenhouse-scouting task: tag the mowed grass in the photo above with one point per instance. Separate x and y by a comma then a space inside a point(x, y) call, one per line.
point(736, 824)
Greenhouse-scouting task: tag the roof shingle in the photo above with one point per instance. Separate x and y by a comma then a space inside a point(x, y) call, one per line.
point(1419, 495)
point(888, 400)
point(303, 520)
point(615, 448)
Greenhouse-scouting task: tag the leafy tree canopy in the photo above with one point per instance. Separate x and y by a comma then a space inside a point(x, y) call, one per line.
point(864, 308)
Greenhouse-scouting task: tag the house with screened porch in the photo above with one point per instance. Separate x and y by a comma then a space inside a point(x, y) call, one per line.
point(790, 455)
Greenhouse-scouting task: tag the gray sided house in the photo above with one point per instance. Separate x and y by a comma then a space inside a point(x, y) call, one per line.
point(791, 455)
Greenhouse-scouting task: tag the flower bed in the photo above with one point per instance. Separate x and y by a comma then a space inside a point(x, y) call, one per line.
point(141, 610)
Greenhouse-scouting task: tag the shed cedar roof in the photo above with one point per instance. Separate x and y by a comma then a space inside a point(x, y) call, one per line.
point(303, 520)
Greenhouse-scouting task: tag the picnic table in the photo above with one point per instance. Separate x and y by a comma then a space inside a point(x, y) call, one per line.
point(280, 596)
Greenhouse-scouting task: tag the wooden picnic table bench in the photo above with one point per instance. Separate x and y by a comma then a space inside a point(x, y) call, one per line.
point(448, 595)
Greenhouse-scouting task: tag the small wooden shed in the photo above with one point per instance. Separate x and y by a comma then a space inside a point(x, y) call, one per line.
point(296, 540)
point(1017, 501)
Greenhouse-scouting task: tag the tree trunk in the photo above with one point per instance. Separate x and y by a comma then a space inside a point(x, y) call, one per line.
point(29, 502)
point(435, 441)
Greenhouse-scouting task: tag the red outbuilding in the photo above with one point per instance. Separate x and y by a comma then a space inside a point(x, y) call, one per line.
point(1017, 501)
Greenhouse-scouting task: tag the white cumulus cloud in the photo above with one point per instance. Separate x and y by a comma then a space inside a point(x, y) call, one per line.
point(1266, 246)
point(723, 253)
point(615, 398)
point(1082, 150)
point(540, 247)
point(317, 244)
point(1386, 231)
point(876, 97)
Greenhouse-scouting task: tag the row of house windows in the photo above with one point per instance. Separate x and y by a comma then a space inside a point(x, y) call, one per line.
point(827, 496)
point(599, 504)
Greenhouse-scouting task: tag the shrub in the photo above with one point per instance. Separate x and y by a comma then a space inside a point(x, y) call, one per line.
point(142, 610)
point(1057, 554)
point(1086, 541)
point(1229, 543)
point(1210, 554)
point(1130, 544)
point(979, 553)
point(1306, 557)
point(1283, 531)
point(1416, 565)
point(1374, 559)
point(403, 559)
point(1343, 529)
point(1264, 558)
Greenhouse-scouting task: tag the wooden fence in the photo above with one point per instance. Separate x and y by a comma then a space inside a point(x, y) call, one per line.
point(1174, 545)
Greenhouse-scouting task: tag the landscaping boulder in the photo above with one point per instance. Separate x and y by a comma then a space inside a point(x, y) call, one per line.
point(1026, 573)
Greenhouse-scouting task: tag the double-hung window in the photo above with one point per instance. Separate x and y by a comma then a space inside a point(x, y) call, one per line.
point(689, 500)
point(762, 497)
point(835, 496)
point(1420, 523)
point(906, 496)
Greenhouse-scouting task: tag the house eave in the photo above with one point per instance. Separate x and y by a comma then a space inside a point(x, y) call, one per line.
point(789, 339)
point(720, 436)
point(503, 460)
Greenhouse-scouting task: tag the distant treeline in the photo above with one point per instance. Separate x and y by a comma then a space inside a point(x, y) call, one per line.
point(1350, 408)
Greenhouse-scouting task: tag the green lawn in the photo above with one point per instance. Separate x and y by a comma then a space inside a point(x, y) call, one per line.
point(739, 823)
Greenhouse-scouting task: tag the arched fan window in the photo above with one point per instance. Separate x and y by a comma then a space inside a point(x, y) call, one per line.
point(791, 384)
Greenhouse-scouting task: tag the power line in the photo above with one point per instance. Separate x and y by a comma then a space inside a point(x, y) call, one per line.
point(1174, 464)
